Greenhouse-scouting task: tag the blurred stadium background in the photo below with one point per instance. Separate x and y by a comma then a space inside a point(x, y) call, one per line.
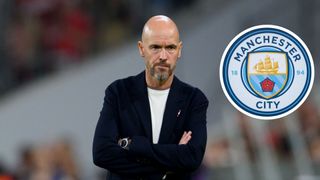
point(57, 57)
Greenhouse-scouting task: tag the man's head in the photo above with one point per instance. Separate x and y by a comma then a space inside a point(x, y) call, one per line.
point(160, 47)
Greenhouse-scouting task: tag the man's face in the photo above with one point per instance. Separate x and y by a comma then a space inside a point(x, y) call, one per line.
point(161, 50)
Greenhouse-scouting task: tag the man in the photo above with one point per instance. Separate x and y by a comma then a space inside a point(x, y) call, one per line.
point(152, 126)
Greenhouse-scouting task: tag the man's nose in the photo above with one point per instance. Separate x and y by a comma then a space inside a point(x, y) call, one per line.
point(163, 54)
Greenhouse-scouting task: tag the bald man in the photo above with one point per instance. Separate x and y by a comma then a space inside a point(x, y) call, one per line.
point(152, 125)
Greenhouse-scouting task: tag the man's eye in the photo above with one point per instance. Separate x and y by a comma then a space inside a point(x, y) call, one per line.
point(155, 47)
point(171, 47)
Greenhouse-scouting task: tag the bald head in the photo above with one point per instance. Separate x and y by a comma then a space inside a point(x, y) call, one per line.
point(160, 27)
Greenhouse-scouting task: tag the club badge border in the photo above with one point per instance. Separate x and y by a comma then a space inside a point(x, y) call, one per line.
point(224, 78)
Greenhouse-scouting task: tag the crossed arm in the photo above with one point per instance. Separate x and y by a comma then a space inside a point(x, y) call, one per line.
point(176, 157)
point(185, 156)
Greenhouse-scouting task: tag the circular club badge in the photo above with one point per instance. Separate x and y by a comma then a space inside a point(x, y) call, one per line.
point(266, 72)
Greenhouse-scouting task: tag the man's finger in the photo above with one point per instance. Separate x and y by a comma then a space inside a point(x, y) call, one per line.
point(185, 137)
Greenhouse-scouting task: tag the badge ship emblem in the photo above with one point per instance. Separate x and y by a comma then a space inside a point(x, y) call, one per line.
point(266, 78)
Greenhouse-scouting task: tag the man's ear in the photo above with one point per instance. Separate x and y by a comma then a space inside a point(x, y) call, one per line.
point(180, 48)
point(140, 47)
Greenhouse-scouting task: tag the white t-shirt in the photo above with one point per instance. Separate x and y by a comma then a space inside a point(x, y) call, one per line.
point(157, 101)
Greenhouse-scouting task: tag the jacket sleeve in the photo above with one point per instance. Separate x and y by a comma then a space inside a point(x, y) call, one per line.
point(174, 157)
point(107, 153)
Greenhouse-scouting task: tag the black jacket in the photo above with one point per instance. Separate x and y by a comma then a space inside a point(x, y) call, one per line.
point(126, 113)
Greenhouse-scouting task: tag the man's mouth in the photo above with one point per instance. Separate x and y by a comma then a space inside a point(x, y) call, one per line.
point(163, 65)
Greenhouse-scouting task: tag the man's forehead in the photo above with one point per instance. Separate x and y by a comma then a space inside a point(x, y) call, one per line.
point(162, 40)
point(161, 36)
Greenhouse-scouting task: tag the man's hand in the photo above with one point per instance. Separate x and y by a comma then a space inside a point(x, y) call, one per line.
point(185, 137)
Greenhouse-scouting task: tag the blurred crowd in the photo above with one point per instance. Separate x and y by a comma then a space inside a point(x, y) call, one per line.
point(43, 36)
point(278, 136)
point(50, 161)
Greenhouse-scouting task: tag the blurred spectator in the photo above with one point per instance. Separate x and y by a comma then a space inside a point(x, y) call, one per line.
point(43, 163)
point(64, 162)
point(52, 161)
point(26, 165)
point(309, 118)
point(247, 135)
point(21, 46)
point(67, 33)
point(218, 154)
point(315, 149)
point(310, 125)
point(277, 137)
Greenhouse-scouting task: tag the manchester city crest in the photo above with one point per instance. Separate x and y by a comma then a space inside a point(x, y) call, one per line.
point(266, 72)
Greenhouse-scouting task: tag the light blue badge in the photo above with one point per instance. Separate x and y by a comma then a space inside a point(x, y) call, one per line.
point(266, 72)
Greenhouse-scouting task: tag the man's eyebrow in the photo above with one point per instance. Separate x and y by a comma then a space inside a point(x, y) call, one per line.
point(154, 46)
point(171, 46)
point(159, 46)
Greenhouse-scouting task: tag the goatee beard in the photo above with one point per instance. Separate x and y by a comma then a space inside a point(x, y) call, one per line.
point(160, 76)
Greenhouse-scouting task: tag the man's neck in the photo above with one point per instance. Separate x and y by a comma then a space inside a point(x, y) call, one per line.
point(158, 85)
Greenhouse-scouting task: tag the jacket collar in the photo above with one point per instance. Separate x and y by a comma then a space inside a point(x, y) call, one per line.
point(140, 87)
